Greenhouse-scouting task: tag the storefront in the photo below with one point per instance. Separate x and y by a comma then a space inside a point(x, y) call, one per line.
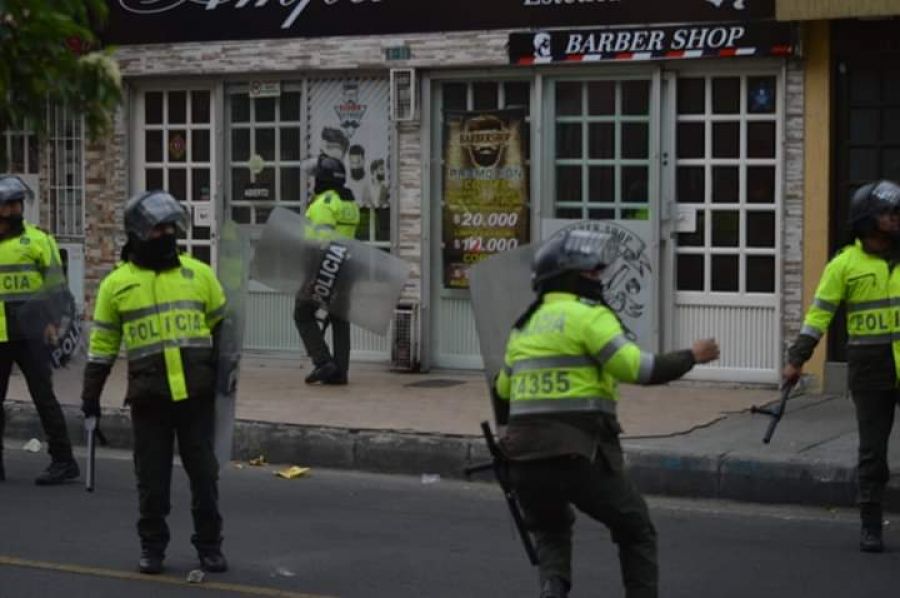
point(680, 139)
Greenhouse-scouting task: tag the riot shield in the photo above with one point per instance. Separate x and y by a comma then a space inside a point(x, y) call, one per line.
point(500, 288)
point(347, 278)
point(234, 258)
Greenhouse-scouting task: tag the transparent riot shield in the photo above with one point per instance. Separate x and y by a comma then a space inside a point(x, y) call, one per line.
point(500, 289)
point(347, 278)
point(234, 260)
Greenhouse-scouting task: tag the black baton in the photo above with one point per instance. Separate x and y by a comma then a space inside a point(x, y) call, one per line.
point(776, 414)
point(93, 436)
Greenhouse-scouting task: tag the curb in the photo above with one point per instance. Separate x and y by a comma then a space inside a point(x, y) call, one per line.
point(730, 476)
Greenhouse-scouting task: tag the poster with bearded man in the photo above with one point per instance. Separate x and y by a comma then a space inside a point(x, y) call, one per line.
point(485, 189)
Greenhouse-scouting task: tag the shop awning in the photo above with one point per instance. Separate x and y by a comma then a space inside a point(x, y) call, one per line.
point(807, 10)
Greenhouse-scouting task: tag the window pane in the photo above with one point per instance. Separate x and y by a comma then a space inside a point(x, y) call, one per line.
point(568, 140)
point(602, 141)
point(290, 143)
point(602, 184)
point(725, 184)
point(691, 96)
point(691, 184)
point(760, 274)
point(241, 215)
point(200, 232)
point(726, 92)
point(178, 183)
point(890, 164)
point(240, 178)
point(265, 110)
point(863, 85)
point(199, 107)
point(265, 144)
point(725, 273)
point(200, 184)
point(889, 89)
point(177, 146)
point(761, 140)
point(634, 184)
point(33, 154)
point(240, 108)
point(570, 213)
point(485, 95)
point(690, 273)
point(725, 228)
point(760, 229)
point(568, 98)
point(517, 93)
point(267, 178)
point(177, 107)
point(696, 238)
point(635, 97)
point(154, 178)
point(382, 225)
point(202, 253)
point(601, 98)
point(691, 142)
point(200, 145)
point(290, 106)
point(290, 185)
point(761, 184)
point(568, 184)
point(455, 96)
point(635, 140)
point(602, 214)
point(863, 164)
point(726, 140)
point(153, 146)
point(761, 95)
point(240, 145)
point(153, 107)
point(891, 129)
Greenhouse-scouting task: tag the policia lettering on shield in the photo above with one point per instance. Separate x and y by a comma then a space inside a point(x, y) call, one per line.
point(865, 278)
point(167, 308)
point(558, 394)
point(27, 254)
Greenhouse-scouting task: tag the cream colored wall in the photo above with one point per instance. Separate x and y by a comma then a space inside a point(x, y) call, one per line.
point(817, 48)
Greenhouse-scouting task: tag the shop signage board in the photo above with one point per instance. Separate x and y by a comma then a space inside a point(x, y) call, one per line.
point(485, 189)
point(653, 43)
point(167, 21)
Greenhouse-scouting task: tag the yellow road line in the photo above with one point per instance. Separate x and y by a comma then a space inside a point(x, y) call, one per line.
point(161, 579)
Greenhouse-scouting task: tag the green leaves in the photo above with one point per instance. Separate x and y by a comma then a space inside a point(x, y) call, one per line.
point(49, 54)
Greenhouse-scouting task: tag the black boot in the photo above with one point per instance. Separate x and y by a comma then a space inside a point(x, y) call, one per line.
point(554, 587)
point(870, 539)
point(151, 562)
point(213, 561)
point(323, 373)
point(58, 472)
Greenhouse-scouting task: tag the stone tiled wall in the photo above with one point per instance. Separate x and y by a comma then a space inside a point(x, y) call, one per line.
point(792, 215)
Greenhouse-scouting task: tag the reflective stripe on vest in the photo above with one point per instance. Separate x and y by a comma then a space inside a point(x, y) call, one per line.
point(21, 273)
point(566, 405)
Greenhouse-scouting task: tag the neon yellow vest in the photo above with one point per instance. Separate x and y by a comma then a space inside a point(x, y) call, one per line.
point(24, 262)
point(157, 313)
point(569, 358)
point(328, 213)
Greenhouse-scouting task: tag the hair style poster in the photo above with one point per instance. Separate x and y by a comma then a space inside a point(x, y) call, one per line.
point(485, 189)
point(349, 121)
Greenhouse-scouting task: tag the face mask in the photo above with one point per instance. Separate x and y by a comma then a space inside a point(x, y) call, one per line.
point(357, 174)
point(157, 254)
point(15, 223)
point(589, 288)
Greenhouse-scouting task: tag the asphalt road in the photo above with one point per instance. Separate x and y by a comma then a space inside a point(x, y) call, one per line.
point(369, 536)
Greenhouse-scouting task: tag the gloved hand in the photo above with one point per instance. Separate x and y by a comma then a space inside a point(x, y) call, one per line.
point(90, 407)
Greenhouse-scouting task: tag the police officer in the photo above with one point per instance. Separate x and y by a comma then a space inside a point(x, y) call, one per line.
point(166, 307)
point(865, 278)
point(332, 213)
point(564, 359)
point(26, 256)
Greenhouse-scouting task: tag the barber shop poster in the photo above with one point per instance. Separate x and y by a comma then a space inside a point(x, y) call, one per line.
point(485, 189)
point(349, 121)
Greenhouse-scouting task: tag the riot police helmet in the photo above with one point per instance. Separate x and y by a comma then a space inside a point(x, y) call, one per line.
point(147, 210)
point(871, 201)
point(571, 251)
point(13, 188)
point(330, 173)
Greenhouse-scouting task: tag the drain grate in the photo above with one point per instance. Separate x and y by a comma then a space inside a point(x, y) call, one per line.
point(436, 383)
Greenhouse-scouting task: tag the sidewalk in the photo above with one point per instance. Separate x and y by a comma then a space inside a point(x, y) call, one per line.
point(681, 439)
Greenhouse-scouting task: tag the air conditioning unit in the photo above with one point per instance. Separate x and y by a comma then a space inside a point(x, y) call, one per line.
point(405, 338)
point(403, 95)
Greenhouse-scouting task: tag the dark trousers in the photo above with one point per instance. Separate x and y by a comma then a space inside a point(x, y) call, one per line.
point(875, 419)
point(156, 425)
point(314, 339)
point(547, 490)
point(34, 362)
